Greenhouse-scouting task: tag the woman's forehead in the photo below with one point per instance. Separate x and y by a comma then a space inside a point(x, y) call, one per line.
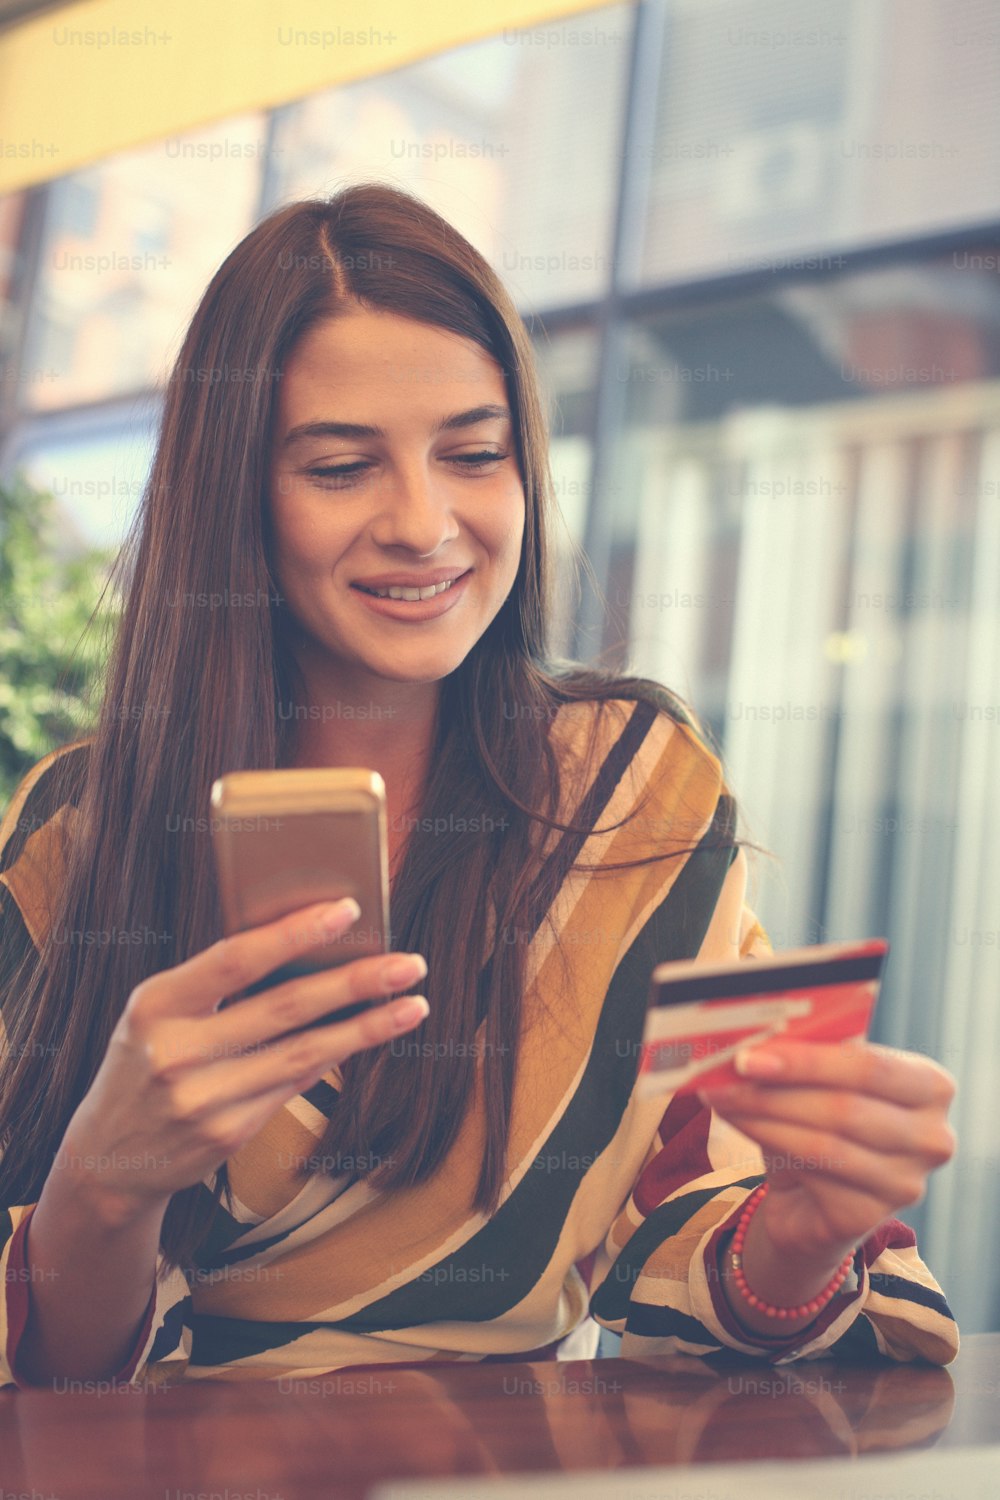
point(373, 373)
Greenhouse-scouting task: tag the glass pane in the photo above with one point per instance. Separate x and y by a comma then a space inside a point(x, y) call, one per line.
point(788, 130)
point(777, 441)
point(483, 134)
point(96, 473)
point(129, 247)
point(815, 566)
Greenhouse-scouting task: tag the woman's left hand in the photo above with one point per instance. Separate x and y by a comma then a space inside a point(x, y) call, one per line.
point(850, 1132)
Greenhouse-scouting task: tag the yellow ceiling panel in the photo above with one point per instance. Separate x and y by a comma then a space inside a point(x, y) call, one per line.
point(80, 82)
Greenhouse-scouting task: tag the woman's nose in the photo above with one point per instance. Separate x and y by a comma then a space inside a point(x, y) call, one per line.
point(415, 512)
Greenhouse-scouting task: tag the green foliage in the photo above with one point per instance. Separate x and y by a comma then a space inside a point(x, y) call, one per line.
point(51, 664)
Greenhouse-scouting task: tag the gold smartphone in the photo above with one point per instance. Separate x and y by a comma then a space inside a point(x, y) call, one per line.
point(284, 839)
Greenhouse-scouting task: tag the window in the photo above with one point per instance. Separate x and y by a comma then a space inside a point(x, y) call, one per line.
point(482, 134)
point(788, 130)
point(117, 283)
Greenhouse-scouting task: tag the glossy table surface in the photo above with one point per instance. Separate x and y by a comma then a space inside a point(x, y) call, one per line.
point(339, 1435)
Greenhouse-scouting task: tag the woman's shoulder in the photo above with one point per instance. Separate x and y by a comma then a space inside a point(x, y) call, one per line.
point(34, 834)
point(629, 722)
point(647, 750)
point(43, 801)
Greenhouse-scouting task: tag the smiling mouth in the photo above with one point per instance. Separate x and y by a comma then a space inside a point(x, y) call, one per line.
point(430, 592)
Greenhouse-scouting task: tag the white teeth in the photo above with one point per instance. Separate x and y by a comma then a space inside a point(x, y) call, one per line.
point(401, 593)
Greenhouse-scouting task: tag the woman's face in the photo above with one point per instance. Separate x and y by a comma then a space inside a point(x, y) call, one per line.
point(420, 503)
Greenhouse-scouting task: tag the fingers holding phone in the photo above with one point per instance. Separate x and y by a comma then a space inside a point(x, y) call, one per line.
point(206, 1051)
point(281, 1038)
point(185, 1082)
point(306, 1017)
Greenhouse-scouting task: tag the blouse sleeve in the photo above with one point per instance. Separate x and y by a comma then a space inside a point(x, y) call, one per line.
point(656, 1280)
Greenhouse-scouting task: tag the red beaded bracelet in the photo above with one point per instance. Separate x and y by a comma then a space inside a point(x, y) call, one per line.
point(806, 1309)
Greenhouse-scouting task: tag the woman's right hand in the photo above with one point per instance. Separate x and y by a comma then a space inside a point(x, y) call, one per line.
point(184, 1084)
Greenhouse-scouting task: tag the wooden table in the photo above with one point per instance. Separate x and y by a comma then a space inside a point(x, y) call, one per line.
point(337, 1435)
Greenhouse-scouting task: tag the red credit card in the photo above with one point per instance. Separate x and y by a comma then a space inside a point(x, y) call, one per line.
point(700, 1016)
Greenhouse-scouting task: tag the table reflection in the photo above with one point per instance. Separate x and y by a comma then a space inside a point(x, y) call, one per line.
point(337, 1434)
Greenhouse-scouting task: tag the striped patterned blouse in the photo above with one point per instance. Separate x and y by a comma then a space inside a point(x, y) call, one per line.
point(614, 1207)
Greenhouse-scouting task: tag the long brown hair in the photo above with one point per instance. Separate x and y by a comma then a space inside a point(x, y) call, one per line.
point(201, 646)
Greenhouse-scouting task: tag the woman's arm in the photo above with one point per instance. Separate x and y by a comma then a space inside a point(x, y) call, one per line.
point(774, 1280)
point(662, 1277)
point(850, 1133)
point(89, 1267)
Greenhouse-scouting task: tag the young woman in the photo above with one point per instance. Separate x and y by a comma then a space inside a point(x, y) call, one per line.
point(190, 1190)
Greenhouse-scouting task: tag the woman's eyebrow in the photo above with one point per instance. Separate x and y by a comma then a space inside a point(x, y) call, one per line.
point(360, 430)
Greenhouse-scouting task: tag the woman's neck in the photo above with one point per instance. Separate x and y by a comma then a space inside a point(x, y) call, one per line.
point(397, 742)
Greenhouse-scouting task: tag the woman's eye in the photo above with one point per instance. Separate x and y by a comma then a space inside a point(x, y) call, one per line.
point(338, 471)
point(488, 456)
point(337, 474)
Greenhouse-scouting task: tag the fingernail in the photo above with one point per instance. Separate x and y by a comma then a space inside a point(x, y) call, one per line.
point(753, 1064)
point(403, 969)
point(334, 918)
point(409, 1010)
